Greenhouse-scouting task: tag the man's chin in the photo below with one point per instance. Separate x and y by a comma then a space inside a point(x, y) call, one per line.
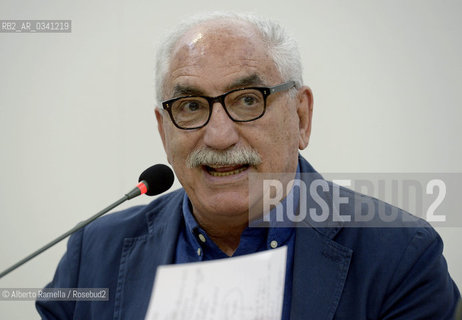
point(229, 208)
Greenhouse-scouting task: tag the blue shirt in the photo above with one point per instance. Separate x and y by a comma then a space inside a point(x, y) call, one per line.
point(195, 245)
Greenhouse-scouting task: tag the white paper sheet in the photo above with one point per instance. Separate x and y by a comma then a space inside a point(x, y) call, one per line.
point(249, 287)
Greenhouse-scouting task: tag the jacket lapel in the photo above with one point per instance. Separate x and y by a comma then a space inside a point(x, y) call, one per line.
point(320, 264)
point(140, 258)
point(320, 270)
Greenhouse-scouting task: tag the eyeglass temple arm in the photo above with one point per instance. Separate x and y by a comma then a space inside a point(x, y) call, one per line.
point(282, 87)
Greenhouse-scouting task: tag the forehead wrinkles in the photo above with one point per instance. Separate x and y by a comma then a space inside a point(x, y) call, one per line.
point(200, 49)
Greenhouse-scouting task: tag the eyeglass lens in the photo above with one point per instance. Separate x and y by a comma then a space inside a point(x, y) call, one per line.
point(242, 105)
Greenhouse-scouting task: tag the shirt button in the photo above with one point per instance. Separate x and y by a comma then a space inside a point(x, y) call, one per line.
point(199, 251)
point(201, 237)
point(274, 244)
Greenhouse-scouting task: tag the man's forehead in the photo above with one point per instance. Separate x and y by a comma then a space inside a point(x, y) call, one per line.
point(225, 68)
point(227, 39)
point(219, 57)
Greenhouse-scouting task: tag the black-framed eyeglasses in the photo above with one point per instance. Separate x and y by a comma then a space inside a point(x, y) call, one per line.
point(241, 105)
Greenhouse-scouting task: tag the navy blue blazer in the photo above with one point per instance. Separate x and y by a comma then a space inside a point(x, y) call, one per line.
point(339, 272)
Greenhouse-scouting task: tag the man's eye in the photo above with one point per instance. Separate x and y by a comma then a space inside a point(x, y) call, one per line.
point(190, 106)
point(249, 100)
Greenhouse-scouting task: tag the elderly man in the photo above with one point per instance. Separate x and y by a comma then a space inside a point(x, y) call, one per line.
point(234, 104)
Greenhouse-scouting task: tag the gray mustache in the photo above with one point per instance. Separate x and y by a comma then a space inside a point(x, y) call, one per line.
point(210, 157)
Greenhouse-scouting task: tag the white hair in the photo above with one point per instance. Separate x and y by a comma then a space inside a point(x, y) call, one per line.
point(281, 47)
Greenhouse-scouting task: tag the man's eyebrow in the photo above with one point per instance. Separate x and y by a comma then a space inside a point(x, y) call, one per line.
point(249, 81)
point(182, 90)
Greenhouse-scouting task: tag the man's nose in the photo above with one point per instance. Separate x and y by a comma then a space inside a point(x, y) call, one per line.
point(221, 132)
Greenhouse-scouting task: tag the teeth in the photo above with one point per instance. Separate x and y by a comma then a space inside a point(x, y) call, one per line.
point(226, 173)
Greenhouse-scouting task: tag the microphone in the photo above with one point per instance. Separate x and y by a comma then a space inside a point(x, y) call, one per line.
point(154, 180)
point(159, 173)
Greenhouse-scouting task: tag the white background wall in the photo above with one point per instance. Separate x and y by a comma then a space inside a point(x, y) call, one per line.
point(76, 110)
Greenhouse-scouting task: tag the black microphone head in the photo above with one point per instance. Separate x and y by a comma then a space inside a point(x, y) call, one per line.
point(159, 178)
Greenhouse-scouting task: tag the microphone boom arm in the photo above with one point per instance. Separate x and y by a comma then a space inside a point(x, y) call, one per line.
point(130, 195)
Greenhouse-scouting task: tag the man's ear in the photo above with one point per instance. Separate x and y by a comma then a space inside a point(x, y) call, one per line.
point(305, 112)
point(160, 125)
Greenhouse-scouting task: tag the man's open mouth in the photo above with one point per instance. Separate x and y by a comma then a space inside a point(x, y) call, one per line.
point(223, 171)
